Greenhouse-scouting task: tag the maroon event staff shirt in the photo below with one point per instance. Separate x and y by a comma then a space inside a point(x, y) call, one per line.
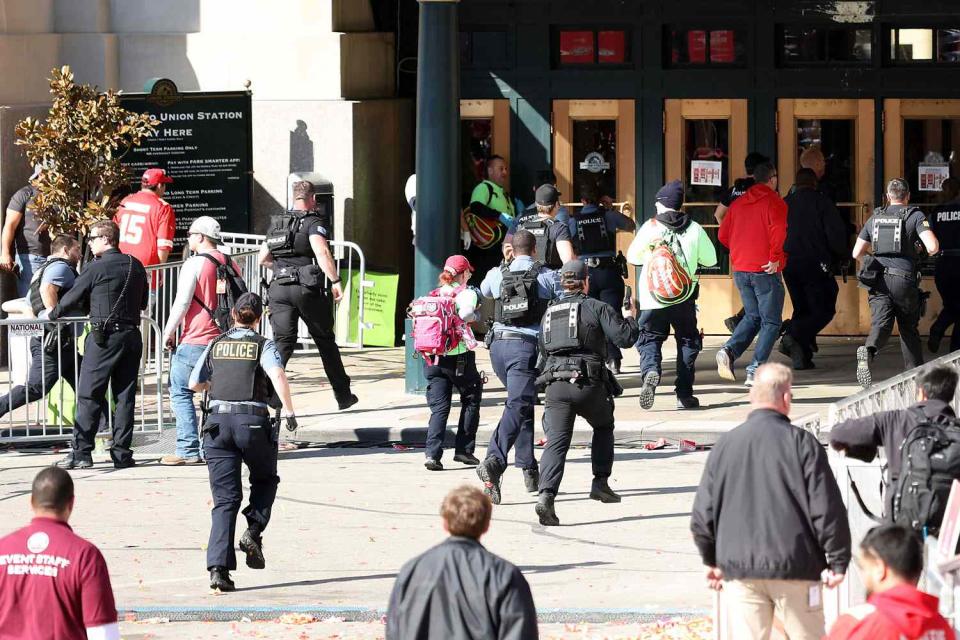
point(53, 584)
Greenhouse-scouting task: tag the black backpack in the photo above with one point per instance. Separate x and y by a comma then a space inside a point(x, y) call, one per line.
point(33, 295)
point(230, 286)
point(519, 303)
point(929, 463)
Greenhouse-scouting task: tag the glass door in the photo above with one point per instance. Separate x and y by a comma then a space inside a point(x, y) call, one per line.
point(484, 131)
point(593, 143)
point(705, 146)
point(922, 144)
point(843, 132)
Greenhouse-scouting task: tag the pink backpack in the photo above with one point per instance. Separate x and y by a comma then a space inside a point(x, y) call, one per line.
point(437, 328)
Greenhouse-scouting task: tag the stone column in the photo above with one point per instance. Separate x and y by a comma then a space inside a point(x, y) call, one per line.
point(438, 150)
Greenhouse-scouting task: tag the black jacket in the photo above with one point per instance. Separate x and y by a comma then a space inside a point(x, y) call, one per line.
point(460, 591)
point(599, 322)
point(860, 437)
point(768, 506)
point(815, 230)
point(98, 289)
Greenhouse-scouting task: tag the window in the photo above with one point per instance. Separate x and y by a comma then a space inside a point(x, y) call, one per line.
point(484, 49)
point(705, 47)
point(937, 46)
point(587, 47)
point(802, 45)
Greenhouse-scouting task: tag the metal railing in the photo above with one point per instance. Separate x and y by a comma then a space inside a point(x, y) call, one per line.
point(42, 381)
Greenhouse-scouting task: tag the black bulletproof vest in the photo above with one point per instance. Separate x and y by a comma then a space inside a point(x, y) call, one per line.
point(546, 248)
point(288, 238)
point(889, 230)
point(946, 224)
point(571, 327)
point(33, 296)
point(592, 235)
point(519, 303)
point(235, 372)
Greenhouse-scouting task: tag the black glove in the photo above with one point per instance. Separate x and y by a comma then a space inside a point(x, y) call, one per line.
point(291, 423)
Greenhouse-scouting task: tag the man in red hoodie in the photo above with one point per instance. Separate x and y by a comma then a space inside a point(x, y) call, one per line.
point(754, 230)
point(890, 560)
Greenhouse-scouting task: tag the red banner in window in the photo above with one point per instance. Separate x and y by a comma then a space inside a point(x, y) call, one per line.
point(612, 47)
point(697, 47)
point(722, 47)
point(576, 47)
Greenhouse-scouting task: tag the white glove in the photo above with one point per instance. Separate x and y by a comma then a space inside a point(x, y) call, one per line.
point(467, 240)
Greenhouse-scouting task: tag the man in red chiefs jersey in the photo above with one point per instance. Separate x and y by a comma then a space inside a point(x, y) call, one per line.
point(54, 585)
point(146, 220)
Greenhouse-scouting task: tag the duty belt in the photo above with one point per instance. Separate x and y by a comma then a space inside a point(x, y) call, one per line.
point(242, 409)
point(950, 253)
point(117, 326)
point(600, 262)
point(901, 273)
point(512, 335)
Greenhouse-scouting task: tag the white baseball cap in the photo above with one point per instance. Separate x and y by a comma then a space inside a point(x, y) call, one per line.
point(205, 225)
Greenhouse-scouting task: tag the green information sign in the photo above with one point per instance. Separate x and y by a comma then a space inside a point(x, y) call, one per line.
point(379, 309)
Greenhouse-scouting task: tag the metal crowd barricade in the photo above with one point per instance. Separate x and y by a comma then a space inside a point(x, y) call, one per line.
point(351, 263)
point(47, 411)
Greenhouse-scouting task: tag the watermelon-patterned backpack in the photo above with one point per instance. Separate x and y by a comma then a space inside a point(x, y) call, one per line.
point(666, 276)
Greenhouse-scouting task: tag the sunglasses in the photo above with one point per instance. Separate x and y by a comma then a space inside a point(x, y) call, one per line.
point(92, 238)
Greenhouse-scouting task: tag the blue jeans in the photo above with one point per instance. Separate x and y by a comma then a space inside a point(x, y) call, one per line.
point(29, 264)
point(181, 397)
point(515, 363)
point(762, 297)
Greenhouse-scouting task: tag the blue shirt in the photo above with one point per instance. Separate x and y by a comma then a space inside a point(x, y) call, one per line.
point(269, 359)
point(613, 220)
point(59, 274)
point(548, 288)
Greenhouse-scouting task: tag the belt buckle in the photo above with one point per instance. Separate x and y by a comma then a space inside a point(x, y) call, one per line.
point(593, 263)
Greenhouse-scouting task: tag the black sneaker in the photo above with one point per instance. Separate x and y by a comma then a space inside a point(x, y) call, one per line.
point(545, 511)
point(433, 465)
point(252, 545)
point(345, 402)
point(600, 490)
point(649, 389)
point(690, 402)
point(467, 458)
point(863, 367)
point(69, 462)
point(725, 365)
point(124, 464)
point(794, 351)
point(220, 580)
point(531, 480)
point(490, 472)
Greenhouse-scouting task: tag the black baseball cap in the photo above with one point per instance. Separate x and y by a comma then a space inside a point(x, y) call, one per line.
point(573, 270)
point(249, 300)
point(547, 195)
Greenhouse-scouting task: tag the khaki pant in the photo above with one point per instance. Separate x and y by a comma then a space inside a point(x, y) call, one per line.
point(752, 604)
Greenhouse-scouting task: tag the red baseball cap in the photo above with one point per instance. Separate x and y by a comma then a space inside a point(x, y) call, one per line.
point(153, 177)
point(457, 265)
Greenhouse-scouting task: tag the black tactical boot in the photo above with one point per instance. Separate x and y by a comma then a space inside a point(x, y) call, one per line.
point(220, 580)
point(74, 462)
point(649, 389)
point(466, 458)
point(601, 491)
point(347, 401)
point(433, 465)
point(548, 517)
point(252, 545)
point(531, 480)
point(490, 471)
point(863, 367)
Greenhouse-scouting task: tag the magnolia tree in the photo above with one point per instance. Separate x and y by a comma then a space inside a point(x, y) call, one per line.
point(80, 146)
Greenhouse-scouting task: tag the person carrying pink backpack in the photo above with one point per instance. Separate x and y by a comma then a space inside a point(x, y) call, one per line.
point(451, 362)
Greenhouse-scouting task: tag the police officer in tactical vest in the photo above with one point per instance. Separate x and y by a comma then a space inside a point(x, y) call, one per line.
point(305, 284)
point(522, 290)
point(946, 225)
point(594, 230)
point(573, 337)
point(543, 220)
point(244, 377)
point(899, 235)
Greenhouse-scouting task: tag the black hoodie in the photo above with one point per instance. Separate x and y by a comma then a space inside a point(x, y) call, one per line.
point(676, 221)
